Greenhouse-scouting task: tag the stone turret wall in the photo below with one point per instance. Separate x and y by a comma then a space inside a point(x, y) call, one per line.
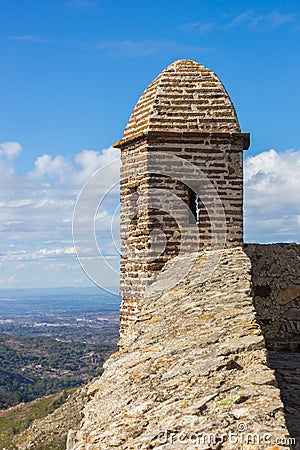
point(172, 206)
point(134, 228)
point(219, 158)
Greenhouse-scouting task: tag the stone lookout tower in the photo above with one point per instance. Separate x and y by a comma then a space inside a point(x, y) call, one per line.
point(185, 116)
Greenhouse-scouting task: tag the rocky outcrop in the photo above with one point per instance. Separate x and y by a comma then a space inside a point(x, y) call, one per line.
point(192, 373)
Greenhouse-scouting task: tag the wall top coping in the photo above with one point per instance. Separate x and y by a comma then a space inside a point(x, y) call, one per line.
point(157, 134)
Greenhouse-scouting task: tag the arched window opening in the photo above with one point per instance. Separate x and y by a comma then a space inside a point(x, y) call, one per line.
point(194, 206)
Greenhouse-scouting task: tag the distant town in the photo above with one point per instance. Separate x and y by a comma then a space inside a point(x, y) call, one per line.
point(81, 315)
point(52, 341)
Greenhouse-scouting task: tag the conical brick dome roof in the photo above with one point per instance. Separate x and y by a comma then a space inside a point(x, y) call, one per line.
point(186, 96)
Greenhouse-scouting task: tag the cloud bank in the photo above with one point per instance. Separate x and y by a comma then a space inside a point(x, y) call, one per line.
point(272, 205)
point(36, 212)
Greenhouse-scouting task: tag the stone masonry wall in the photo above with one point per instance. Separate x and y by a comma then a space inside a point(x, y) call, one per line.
point(134, 229)
point(192, 374)
point(155, 196)
point(219, 157)
point(185, 112)
point(276, 290)
point(195, 365)
point(276, 293)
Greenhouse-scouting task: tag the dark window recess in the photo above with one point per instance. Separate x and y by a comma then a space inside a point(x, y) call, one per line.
point(193, 206)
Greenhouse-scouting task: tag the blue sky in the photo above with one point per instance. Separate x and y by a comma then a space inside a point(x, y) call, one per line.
point(71, 72)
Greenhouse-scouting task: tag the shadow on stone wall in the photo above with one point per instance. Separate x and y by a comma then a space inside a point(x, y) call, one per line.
point(276, 292)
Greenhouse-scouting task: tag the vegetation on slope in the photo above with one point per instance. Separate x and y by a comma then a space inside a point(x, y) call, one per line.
point(32, 367)
point(15, 420)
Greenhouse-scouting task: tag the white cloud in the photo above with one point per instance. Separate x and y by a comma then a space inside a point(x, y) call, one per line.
point(270, 21)
point(36, 209)
point(16, 204)
point(242, 18)
point(30, 38)
point(46, 165)
point(272, 186)
point(79, 281)
point(10, 149)
point(72, 171)
point(12, 280)
point(146, 47)
point(263, 22)
point(88, 161)
point(200, 27)
point(55, 252)
point(249, 19)
point(117, 48)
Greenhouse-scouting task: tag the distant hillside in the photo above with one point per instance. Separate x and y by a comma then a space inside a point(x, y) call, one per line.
point(31, 367)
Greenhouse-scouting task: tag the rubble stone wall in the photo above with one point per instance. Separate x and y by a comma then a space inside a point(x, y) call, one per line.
point(276, 292)
point(192, 364)
point(276, 295)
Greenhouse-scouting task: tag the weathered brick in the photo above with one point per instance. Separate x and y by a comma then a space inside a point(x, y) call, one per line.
point(184, 112)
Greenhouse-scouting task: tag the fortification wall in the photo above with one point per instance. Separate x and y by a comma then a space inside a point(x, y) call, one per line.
point(194, 366)
point(276, 293)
